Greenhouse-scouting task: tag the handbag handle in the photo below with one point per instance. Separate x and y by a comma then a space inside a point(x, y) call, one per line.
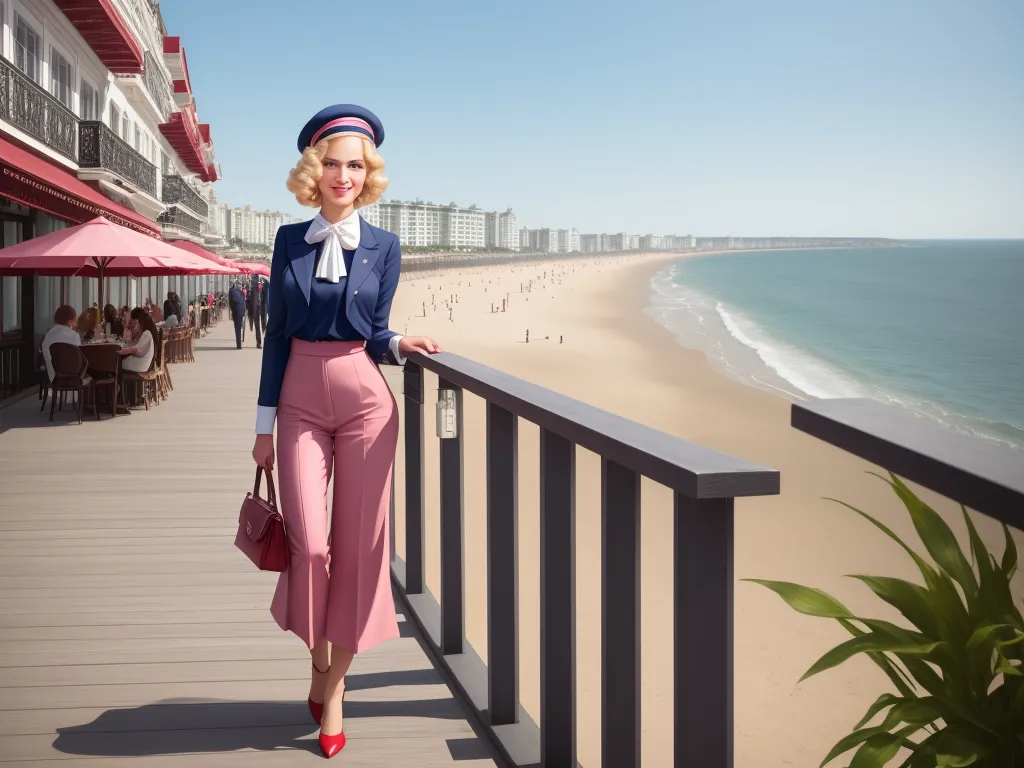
point(271, 491)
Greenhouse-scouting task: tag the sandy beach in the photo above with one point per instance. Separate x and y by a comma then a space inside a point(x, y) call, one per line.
point(590, 339)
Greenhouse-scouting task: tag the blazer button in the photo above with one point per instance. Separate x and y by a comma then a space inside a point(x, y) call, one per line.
point(354, 292)
point(364, 261)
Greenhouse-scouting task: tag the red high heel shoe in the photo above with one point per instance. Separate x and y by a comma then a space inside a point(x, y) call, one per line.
point(316, 708)
point(332, 745)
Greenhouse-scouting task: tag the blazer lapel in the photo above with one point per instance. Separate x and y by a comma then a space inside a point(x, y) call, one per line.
point(303, 260)
point(363, 260)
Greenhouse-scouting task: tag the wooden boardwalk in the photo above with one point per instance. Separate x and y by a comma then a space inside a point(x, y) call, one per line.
point(132, 633)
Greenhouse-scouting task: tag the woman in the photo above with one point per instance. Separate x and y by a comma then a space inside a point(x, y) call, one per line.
point(126, 321)
point(332, 281)
point(172, 309)
point(114, 325)
point(139, 356)
point(87, 322)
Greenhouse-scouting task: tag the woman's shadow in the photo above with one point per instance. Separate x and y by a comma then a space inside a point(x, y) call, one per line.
point(177, 726)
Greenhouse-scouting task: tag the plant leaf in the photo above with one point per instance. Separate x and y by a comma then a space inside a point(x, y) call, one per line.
point(938, 539)
point(807, 600)
point(883, 701)
point(982, 634)
point(877, 751)
point(872, 641)
point(850, 741)
point(892, 670)
point(911, 600)
point(1009, 563)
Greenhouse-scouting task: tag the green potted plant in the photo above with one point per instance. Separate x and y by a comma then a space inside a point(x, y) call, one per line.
point(957, 670)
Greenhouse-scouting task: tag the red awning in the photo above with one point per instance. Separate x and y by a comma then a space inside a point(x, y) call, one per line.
point(182, 133)
point(37, 183)
point(102, 27)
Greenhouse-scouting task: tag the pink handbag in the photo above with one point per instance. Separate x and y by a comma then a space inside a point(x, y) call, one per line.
point(261, 534)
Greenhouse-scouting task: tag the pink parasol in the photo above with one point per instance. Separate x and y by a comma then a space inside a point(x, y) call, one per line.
point(100, 248)
point(197, 250)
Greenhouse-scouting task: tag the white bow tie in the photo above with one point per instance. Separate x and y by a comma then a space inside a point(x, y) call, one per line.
point(335, 237)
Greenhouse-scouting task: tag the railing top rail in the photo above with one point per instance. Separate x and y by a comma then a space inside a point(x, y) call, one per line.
point(971, 470)
point(693, 470)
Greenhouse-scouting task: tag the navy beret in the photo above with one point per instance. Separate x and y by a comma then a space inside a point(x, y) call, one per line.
point(341, 118)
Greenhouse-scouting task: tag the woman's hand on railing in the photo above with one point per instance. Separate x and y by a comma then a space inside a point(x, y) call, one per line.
point(423, 344)
point(263, 452)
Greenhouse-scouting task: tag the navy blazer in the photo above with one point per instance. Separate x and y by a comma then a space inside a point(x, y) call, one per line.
point(369, 290)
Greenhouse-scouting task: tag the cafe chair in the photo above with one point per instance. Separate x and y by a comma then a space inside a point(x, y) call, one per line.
point(69, 375)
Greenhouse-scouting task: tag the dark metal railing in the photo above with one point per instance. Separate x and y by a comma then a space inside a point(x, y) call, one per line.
point(705, 484)
point(100, 147)
point(975, 472)
point(32, 109)
point(158, 85)
point(176, 217)
point(177, 190)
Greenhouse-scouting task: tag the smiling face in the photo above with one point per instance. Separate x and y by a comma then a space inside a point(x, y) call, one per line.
point(343, 176)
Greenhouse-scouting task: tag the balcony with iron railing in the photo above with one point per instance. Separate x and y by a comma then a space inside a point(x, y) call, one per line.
point(100, 148)
point(175, 218)
point(704, 486)
point(30, 108)
point(177, 191)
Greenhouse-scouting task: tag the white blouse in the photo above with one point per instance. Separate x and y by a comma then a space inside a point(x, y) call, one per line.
point(143, 357)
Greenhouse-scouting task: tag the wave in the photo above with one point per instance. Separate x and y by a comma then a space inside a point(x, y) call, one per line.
point(749, 352)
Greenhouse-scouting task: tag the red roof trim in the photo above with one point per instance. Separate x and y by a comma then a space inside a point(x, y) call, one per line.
point(103, 28)
point(182, 133)
point(172, 44)
point(38, 183)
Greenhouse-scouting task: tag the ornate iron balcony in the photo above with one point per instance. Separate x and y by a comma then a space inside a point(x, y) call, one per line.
point(177, 190)
point(177, 218)
point(100, 147)
point(33, 110)
point(158, 86)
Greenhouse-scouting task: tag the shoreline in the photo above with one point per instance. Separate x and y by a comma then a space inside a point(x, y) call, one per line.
point(616, 357)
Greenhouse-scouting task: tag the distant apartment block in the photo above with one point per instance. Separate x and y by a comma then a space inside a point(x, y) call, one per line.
point(254, 227)
point(448, 226)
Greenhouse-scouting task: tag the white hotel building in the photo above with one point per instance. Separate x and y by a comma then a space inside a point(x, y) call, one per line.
point(447, 226)
point(97, 116)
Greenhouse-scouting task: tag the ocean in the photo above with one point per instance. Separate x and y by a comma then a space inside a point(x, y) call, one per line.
point(936, 327)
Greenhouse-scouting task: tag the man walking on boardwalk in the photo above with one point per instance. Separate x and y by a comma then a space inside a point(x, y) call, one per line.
point(236, 301)
point(254, 310)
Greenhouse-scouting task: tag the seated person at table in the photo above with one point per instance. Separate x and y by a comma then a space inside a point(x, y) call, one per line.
point(172, 309)
point(64, 331)
point(111, 319)
point(139, 356)
point(87, 322)
point(126, 320)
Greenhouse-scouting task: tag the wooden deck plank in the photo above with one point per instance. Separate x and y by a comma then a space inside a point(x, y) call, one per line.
point(133, 633)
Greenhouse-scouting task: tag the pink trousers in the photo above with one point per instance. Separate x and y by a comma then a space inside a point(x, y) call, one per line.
point(336, 415)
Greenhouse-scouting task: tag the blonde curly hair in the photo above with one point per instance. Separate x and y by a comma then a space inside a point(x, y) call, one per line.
point(304, 178)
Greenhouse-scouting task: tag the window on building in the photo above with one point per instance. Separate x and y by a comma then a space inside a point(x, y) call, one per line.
point(125, 127)
point(115, 118)
point(88, 102)
point(60, 77)
point(26, 49)
point(138, 137)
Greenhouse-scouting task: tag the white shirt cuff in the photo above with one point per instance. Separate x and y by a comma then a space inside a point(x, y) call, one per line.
point(265, 416)
point(393, 346)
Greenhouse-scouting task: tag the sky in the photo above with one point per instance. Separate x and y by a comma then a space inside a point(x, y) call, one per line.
point(877, 118)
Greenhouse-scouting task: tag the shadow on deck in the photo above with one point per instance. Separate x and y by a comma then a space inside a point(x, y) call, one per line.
point(133, 633)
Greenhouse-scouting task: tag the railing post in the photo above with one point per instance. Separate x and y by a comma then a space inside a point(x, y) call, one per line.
point(703, 625)
point(502, 566)
point(557, 601)
point(620, 616)
point(452, 623)
point(414, 511)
